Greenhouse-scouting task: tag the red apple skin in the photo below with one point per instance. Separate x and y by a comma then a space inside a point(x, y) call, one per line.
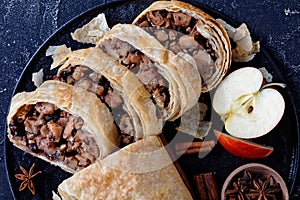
point(242, 148)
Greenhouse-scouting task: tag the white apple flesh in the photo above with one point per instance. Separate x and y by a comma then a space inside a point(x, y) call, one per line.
point(248, 110)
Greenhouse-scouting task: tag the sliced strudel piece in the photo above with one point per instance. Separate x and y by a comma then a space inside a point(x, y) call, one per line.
point(64, 125)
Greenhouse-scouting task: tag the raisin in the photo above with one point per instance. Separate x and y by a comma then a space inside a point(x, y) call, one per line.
point(64, 75)
point(17, 130)
point(52, 117)
point(33, 148)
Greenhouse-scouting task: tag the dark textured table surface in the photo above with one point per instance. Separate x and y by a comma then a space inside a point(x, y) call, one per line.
point(26, 24)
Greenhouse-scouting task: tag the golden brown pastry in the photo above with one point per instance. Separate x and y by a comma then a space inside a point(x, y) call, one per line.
point(114, 84)
point(174, 82)
point(142, 170)
point(64, 125)
point(182, 27)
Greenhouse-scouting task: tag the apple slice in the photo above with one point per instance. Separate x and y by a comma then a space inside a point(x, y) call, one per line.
point(248, 109)
point(242, 148)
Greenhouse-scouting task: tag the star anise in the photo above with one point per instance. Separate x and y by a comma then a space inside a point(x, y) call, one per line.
point(240, 187)
point(264, 190)
point(26, 177)
point(237, 192)
point(252, 186)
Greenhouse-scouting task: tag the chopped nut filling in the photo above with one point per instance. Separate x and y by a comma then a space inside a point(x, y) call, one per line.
point(54, 133)
point(96, 83)
point(142, 66)
point(177, 32)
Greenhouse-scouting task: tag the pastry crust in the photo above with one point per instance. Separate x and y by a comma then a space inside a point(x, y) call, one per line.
point(209, 29)
point(182, 76)
point(97, 119)
point(105, 180)
point(136, 98)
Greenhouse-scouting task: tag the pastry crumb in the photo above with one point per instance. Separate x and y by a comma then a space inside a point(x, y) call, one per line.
point(58, 54)
point(245, 48)
point(37, 78)
point(92, 31)
point(266, 74)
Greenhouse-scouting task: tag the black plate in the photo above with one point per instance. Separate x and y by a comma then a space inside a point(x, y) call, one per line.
point(284, 138)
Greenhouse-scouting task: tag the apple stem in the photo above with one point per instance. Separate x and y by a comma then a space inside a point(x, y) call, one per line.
point(273, 84)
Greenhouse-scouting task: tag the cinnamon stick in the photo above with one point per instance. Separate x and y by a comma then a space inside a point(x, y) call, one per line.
point(207, 186)
point(192, 145)
point(194, 150)
point(200, 184)
point(211, 185)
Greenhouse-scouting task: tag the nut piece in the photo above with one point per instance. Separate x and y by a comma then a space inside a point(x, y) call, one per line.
point(187, 41)
point(182, 19)
point(162, 36)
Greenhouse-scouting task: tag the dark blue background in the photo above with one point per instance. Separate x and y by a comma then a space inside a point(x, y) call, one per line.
point(26, 24)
